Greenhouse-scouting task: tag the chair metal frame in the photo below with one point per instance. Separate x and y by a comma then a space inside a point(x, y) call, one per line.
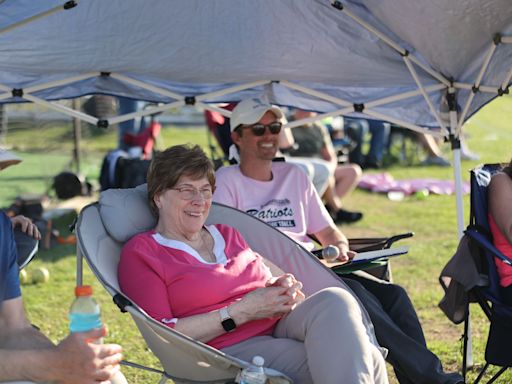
point(27, 247)
point(478, 230)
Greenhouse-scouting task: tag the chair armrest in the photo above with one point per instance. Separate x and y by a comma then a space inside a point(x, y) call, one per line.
point(484, 242)
point(395, 238)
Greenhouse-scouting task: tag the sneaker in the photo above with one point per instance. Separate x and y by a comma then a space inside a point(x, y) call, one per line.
point(345, 216)
point(436, 160)
point(469, 156)
point(370, 164)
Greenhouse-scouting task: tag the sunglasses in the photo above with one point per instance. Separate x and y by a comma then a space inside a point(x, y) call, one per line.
point(259, 129)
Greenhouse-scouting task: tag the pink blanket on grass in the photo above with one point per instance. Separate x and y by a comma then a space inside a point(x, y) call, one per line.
point(384, 182)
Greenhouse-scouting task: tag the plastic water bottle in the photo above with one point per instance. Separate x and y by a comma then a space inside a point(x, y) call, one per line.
point(85, 315)
point(254, 373)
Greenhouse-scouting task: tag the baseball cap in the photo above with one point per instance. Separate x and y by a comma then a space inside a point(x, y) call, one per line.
point(8, 158)
point(250, 111)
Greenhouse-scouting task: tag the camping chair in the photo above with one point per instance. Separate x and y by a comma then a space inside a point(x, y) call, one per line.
point(497, 351)
point(103, 227)
point(380, 268)
point(26, 246)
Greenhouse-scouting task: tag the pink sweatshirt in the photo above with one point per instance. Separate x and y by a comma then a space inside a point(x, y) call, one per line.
point(169, 279)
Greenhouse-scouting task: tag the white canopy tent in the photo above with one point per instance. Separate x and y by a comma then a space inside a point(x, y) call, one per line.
point(422, 65)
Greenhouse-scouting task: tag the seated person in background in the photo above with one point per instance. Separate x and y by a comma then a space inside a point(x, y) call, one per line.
point(25, 353)
point(313, 140)
point(205, 282)
point(279, 194)
point(357, 129)
point(318, 170)
point(500, 221)
point(434, 154)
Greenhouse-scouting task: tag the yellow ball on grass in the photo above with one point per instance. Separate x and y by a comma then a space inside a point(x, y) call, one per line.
point(24, 277)
point(40, 275)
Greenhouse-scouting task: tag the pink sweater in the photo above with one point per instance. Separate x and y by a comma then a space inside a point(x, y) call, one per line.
point(169, 280)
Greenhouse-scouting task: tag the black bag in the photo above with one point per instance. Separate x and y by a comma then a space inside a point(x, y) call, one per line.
point(131, 172)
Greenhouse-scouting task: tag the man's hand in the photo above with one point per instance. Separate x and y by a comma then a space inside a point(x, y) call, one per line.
point(78, 360)
point(345, 253)
point(26, 225)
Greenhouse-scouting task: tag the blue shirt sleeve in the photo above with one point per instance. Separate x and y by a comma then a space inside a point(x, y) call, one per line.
point(9, 272)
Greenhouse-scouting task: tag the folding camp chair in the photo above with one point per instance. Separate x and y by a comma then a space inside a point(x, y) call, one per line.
point(497, 351)
point(103, 227)
point(26, 246)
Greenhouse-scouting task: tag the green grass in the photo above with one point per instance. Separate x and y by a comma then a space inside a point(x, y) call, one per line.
point(433, 220)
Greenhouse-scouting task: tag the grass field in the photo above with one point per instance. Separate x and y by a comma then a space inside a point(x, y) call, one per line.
point(47, 151)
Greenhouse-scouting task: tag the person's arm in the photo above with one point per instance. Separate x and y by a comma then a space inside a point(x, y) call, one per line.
point(500, 204)
point(286, 139)
point(333, 236)
point(327, 151)
point(267, 302)
point(26, 354)
point(26, 225)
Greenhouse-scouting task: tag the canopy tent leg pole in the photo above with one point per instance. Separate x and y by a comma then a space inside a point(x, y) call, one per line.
point(77, 136)
point(457, 175)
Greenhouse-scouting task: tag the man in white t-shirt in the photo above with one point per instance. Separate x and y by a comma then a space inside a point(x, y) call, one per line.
point(281, 195)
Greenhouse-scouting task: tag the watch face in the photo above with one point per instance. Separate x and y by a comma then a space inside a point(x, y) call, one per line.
point(228, 324)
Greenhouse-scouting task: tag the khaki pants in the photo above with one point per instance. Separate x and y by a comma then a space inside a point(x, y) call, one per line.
point(323, 341)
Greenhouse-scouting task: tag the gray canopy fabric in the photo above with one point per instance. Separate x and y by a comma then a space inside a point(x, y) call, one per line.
point(389, 59)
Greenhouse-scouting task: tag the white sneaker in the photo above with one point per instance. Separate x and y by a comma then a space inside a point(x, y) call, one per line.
point(436, 160)
point(469, 156)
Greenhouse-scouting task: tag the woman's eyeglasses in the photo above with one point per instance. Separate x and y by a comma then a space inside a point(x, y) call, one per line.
point(259, 129)
point(189, 193)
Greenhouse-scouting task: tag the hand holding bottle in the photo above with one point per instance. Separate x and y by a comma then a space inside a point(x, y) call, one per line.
point(87, 330)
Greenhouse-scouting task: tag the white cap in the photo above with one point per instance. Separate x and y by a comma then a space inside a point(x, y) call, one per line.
point(258, 361)
point(250, 111)
point(8, 158)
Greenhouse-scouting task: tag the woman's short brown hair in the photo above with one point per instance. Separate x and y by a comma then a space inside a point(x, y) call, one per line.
point(168, 166)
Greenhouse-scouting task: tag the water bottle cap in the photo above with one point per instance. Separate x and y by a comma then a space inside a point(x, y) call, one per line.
point(83, 290)
point(258, 361)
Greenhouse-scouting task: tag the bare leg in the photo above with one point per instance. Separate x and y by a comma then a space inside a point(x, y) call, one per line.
point(346, 176)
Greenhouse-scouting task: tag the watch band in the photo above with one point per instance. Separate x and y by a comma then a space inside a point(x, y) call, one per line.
point(225, 319)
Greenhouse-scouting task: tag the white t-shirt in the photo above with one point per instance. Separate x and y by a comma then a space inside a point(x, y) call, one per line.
point(288, 202)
